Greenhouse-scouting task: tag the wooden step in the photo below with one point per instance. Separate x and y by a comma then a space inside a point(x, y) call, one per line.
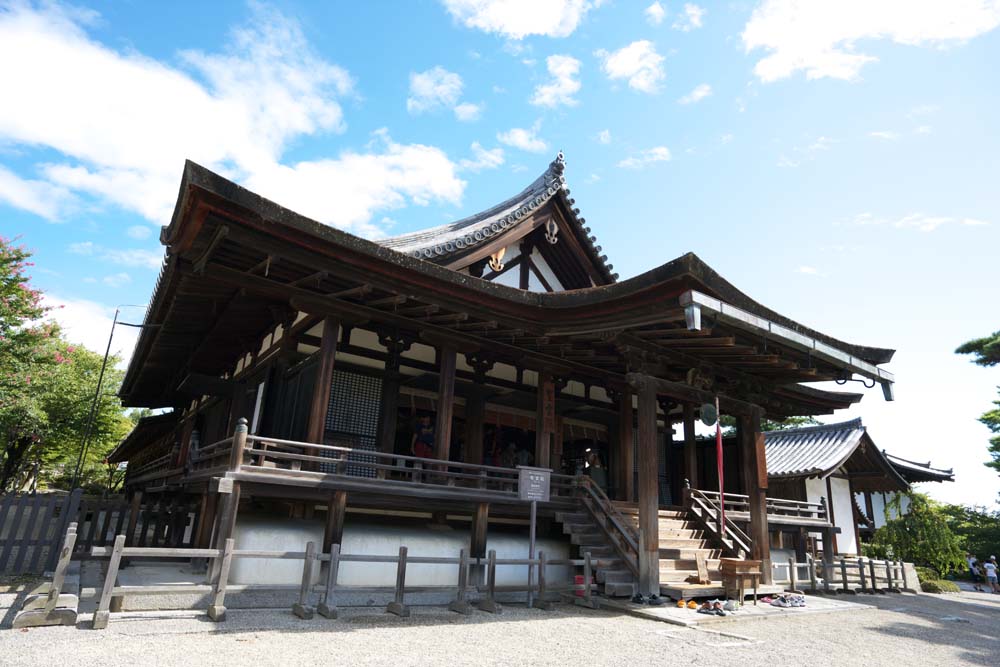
point(573, 517)
point(615, 576)
point(686, 564)
point(588, 539)
point(689, 554)
point(681, 543)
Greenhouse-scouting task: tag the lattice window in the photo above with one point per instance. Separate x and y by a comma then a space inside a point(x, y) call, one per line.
point(352, 418)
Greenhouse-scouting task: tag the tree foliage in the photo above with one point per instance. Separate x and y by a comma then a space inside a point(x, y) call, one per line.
point(986, 349)
point(47, 387)
point(976, 527)
point(922, 536)
point(987, 353)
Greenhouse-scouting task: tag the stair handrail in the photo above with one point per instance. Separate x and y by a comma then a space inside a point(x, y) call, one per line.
point(711, 509)
point(615, 519)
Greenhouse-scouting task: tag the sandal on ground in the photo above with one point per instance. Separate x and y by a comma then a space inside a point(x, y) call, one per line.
point(692, 604)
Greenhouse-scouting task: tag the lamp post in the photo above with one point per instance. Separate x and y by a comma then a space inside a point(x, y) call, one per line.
point(97, 392)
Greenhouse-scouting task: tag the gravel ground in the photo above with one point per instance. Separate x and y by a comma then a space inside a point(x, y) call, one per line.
point(904, 629)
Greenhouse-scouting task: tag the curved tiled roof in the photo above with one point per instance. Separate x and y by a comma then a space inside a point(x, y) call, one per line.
point(919, 472)
point(811, 451)
point(438, 244)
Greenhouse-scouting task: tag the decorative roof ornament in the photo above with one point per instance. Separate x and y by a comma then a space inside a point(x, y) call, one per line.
point(496, 260)
point(552, 231)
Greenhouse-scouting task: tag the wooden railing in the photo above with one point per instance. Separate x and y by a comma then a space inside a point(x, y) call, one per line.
point(706, 507)
point(260, 454)
point(777, 508)
point(539, 594)
point(847, 575)
point(615, 526)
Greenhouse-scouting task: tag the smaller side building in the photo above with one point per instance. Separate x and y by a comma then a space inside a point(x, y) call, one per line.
point(835, 464)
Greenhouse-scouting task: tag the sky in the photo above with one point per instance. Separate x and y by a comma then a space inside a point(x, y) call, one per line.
point(835, 160)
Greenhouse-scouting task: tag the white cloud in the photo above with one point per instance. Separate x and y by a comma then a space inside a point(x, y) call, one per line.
point(433, 89)
point(593, 178)
point(139, 232)
point(117, 279)
point(39, 197)
point(821, 144)
point(655, 14)
point(136, 257)
point(700, 92)
point(562, 87)
point(885, 135)
point(604, 136)
point(922, 129)
point(808, 270)
point(235, 111)
point(918, 221)
point(348, 190)
point(690, 18)
point(646, 157)
point(524, 139)
point(727, 138)
point(638, 62)
point(482, 158)
point(517, 19)
point(468, 112)
point(88, 323)
point(820, 38)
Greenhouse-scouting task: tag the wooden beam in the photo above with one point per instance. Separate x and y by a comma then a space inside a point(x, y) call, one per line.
point(336, 511)
point(686, 393)
point(754, 469)
point(626, 447)
point(690, 446)
point(649, 506)
point(324, 379)
point(480, 529)
point(446, 401)
point(545, 419)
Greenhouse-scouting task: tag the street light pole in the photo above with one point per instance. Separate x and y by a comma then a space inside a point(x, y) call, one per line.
point(93, 407)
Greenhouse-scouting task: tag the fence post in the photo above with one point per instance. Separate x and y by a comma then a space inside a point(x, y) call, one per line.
point(588, 575)
point(812, 572)
point(460, 604)
point(217, 609)
point(133, 517)
point(793, 572)
point(890, 584)
point(59, 577)
point(902, 574)
point(239, 445)
point(103, 613)
point(827, 573)
point(327, 608)
point(861, 572)
point(489, 603)
point(302, 608)
point(540, 602)
point(397, 606)
point(874, 578)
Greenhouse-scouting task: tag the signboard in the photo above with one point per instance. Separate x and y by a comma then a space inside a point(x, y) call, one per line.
point(533, 483)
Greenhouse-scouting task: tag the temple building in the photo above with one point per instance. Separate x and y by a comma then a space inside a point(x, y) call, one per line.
point(321, 381)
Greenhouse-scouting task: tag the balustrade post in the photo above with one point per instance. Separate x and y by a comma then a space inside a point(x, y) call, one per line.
point(239, 445)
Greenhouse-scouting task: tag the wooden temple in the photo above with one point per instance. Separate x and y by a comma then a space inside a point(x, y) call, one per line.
point(308, 369)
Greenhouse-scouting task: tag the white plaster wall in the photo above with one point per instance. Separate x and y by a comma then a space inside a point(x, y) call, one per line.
point(843, 512)
point(365, 537)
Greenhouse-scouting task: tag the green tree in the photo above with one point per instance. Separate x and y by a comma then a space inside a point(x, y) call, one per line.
point(986, 352)
point(922, 536)
point(977, 527)
point(46, 389)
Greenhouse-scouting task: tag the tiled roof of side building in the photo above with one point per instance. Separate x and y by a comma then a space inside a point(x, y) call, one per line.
point(812, 450)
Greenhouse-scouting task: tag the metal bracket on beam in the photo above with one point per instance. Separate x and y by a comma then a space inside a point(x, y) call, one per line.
point(692, 317)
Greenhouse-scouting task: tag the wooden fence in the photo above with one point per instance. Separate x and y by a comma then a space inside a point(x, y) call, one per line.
point(327, 590)
point(32, 527)
point(859, 575)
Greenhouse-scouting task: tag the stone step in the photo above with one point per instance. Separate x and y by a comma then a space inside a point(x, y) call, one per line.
point(615, 576)
point(620, 589)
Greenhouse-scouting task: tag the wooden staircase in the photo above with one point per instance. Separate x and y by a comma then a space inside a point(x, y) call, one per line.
point(610, 568)
point(682, 540)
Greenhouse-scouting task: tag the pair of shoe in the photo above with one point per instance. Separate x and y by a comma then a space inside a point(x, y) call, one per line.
point(785, 601)
point(714, 608)
point(731, 606)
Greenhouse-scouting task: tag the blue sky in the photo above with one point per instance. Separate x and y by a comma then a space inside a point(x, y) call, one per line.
point(835, 160)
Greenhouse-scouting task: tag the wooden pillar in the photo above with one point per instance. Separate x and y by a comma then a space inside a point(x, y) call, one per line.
point(690, 447)
point(754, 473)
point(626, 447)
point(545, 420)
point(870, 509)
point(834, 547)
point(480, 523)
point(446, 401)
point(525, 266)
point(475, 417)
point(856, 521)
point(324, 379)
point(333, 531)
point(649, 506)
